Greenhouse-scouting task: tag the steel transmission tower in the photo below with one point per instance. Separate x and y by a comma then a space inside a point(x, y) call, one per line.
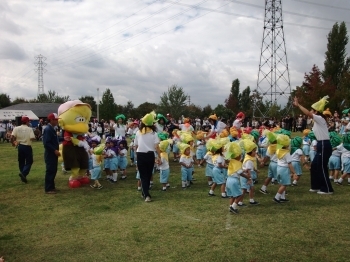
point(40, 64)
point(273, 78)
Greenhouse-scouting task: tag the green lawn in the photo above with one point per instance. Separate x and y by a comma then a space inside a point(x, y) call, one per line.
point(115, 224)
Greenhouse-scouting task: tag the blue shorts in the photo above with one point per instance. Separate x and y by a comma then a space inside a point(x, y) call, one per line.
point(224, 171)
point(107, 163)
point(306, 150)
point(244, 183)
point(90, 164)
point(334, 163)
point(209, 170)
point(346, 165)
point(164, 176)
point(233, 187)
point(283, 175)
point(253, 175)
point(272, 172)
point(297, 167)
point(312, 155)
point(113, 163)
point(218, 176)
point(132, 154)
point(175, 149)
point(123, 162)
point(262, 151)
point(200, 153)
point(186, 173)
point(96, 172)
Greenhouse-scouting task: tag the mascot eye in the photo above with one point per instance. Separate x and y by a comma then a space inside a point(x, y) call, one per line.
point(80, 119)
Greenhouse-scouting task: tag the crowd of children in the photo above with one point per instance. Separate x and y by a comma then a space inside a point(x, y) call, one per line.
point(232, 159)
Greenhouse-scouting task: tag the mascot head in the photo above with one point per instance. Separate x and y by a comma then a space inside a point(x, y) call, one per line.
point(74, 116)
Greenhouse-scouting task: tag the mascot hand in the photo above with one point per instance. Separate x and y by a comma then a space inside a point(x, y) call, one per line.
point(84, 144)
point(75, 141)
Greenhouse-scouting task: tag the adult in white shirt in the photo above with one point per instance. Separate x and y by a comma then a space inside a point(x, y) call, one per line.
point(320, 182)
point(2, 131)
point(239, 120)
point(146, 142)
point(198, 123)
point(133, 128)
point(186, 126)
point(119, 127)
point(216, 126)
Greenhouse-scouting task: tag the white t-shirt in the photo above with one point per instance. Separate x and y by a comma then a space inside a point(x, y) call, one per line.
point(146, 142)
point(208, 158)
point(248, 165)
point(186, 160)
point(344, 152)
point(272, 157)
point(164, 164)
point(119, 131)
point(123, 152)
point(219, 160)
point(95, 163)
point(263, 142)
point(200, 145)
point(183, 127)
point(160, 128)
point(297, 154)
point(237, 123)
point(313, 145)
point(219, 127)
point(198, 122)
point(336, 152)
point(285, 160)
point(320, 128)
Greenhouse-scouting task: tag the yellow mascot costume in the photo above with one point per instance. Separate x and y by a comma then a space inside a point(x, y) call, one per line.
point(74, 117)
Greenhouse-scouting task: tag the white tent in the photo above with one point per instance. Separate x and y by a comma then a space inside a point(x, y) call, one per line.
point(12, 114)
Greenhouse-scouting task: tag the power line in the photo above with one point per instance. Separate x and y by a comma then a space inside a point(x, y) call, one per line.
point(324, 5)
point(134, 36)
point(109, 37)
point(191, 20)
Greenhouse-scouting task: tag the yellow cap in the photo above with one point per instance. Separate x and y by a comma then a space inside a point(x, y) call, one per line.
point(248, 145)
point(214, 117)
point(283, 140)
point(183, 147)
point(232, 150)
point(185, 136)
point(319, 105)
point(200, 135)
point(327, 112)
point(163, 145)
point(224, 133)
point(233, 132)
point(149, 119)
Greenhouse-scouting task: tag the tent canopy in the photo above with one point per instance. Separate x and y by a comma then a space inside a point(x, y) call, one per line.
point(12, 114)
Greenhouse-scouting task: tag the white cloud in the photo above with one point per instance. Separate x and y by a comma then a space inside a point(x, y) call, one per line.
point(99, 44)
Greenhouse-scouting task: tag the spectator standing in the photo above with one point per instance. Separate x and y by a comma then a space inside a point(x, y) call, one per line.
point(22, 137)
point(2, 131)
point(50, 141)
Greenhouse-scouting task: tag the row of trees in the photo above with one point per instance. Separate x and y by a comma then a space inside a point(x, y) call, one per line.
point(334, 81)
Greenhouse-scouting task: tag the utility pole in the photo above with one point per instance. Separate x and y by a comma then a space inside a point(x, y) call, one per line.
point(98, 104)
point(189, 100)
point(40, 64)
point(273, 78)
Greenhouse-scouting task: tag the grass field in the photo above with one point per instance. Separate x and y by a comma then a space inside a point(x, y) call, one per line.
point(115, 224)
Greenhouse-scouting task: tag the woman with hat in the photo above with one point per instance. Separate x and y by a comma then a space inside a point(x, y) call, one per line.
point(216, 126)
point(320, 182)
point(120, 127)
point(239, 120)
point(146, 142)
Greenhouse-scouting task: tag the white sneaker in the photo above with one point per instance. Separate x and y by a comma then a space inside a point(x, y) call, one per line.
point(313, 190)
point(324, 193)
point(148, 199)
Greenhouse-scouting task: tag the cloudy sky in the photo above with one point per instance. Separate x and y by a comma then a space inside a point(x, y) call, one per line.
point(138, 48)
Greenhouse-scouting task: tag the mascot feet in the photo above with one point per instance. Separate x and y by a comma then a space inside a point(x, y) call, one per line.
point(84, 180)
point(74, 183)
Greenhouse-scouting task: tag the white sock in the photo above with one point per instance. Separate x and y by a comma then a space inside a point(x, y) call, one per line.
point(330, 177)
point(138, 188)
point(210, 183)
point(223, 194)
point(188, 183)
point(109, 177)
point(251, 200)
point(348, 180)
point(283, 195)
point(183, 183)
point(151, 182)
point(272, 180)
point(234, 205)
point(263, 188)
point(340, 180)
point(115, 177)
point(335, 180)
point(278, 196)
point(168, 185)
point(295, 182)
point(164, 187)
point(240, 203)
point(211, 191)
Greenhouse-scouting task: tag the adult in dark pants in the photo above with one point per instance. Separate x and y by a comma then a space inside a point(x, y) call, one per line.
point(52, 153)
point(22, 137)
point(147, 142)
point(320, 182)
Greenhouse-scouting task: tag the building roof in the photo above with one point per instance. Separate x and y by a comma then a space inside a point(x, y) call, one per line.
point(42, 110)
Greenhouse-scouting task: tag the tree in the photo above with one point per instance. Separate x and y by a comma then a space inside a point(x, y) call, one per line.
point(91, 101)
point(50, 97)
point(173, 101)
point(232, 102)
point(246, 102)
point(19, 100)
point(207, 111)
point(144, 109)
point(5, 100)
point(107, 106)
point(128, 109)
point(336, 64)
point(192, 111)
point(223, 112)
point(314, 88)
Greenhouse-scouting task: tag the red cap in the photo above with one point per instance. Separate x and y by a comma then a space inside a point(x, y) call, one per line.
point(25, 119)
point(240, 115)
point(52, 116)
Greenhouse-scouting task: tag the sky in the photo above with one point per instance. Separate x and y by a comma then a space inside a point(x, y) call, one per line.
point(139, 48)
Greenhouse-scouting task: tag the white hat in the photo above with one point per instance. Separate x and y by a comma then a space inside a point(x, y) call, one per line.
point(68, 105)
